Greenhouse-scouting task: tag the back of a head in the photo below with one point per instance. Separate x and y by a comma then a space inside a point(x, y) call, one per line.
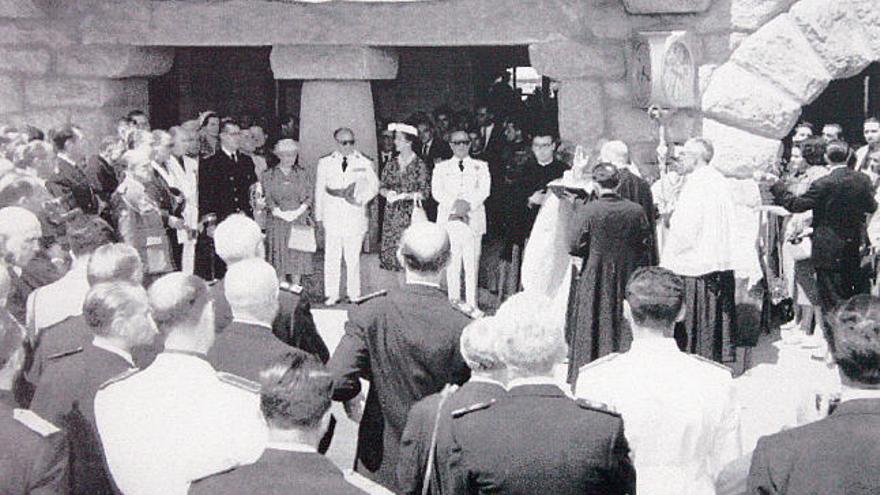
point(615, 152)
point(251, 286)
point(837, 152)
point(15, 220)
point(296, 391)
point(86, 233)
point(115, 262)
point(237, 238)
point(855, 340)
point(606, 175)
point(109, 307)
point(655, 296)
point(479, 345)
point(707, 149)
point(178, 301)
point(424, 248)
point(60, 135)
point(530, 341)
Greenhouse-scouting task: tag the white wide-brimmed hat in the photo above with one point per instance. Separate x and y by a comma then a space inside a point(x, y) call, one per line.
point(404, 128)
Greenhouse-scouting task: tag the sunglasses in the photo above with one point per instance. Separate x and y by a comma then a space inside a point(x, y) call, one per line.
point(460, 143)
point(347, 142)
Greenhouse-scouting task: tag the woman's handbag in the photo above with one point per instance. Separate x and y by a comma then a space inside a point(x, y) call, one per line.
point(302, 238)
point(418, 213)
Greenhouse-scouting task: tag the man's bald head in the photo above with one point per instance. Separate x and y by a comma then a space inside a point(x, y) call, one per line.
point(424, 248)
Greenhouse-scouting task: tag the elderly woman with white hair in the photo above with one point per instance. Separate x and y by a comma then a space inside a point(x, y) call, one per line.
point(288, 191)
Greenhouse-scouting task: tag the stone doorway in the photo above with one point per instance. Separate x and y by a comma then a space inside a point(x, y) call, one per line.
point(847, 102)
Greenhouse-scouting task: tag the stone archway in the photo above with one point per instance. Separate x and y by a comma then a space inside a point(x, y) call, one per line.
point(755, 98)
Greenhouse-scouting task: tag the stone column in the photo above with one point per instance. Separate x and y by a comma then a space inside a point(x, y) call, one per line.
point(336, 93)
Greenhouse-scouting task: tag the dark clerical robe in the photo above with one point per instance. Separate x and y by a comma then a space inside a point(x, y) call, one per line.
point(611, 234)
point(637, 190)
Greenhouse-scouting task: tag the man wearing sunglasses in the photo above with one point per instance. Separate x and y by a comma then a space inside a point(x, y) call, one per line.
point(346, 181)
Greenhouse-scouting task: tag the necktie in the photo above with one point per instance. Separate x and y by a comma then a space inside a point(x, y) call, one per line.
point(461, 165)
point(344, 163)
point(425, 149)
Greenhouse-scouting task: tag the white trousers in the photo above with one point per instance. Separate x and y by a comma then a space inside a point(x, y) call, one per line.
point(336, 247)
point(465, 247)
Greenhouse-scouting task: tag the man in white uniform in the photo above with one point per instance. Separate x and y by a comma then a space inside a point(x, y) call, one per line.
point(178, 420)
point(680, 410)
point(460, 185)
point(346, 181)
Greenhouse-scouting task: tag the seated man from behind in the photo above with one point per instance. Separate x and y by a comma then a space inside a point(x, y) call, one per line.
point(839, 454)
point(295, 400)
point(655, 384)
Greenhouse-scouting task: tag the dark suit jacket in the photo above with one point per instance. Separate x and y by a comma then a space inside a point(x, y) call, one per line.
point(416, 440)
point(293, 325)
point(538, 440)
point(839, 201)
point(30, 464)
point(438, 151)
point(224, 185)
point(102, 177)
point(279, 472)
point(534, 178)
point(244, 349)
point(837, 455)
point(72, 185)
point(637, 190)
point(407, 344)
point(66, 396)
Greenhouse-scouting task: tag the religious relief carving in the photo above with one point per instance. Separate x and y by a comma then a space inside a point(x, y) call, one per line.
point(663, 69)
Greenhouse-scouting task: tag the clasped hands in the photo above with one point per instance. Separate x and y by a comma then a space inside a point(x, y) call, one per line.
point(290, 215)
point(394, 196)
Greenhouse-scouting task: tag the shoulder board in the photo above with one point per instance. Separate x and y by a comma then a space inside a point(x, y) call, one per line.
point(118, 378)
point(62, 354)
point(239, 382)
point(472, 408)
point(467, 310)
point(373, 295)
point(709, 361)
point(214, 282)
point(292, 288)
point(33, 421)
point(596, 406)
point(601, 360)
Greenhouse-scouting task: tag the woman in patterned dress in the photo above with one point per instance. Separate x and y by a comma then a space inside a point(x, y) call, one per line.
point(288, 193)
point(405, 181)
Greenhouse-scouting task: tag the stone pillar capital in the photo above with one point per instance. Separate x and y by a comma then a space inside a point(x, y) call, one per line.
point(666, 6)
point(333, 62)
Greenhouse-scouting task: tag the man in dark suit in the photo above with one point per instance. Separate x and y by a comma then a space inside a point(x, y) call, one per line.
point(69, 182)
point(295, 400)
point(488, 374)
point(224, 185)
point(34, 457)
point(837, 455)
point(101, 173)
point(434, 150)
point(536, 439)
point(840, 202)
point(239, 238)
point(117, 314)
point(407, 344)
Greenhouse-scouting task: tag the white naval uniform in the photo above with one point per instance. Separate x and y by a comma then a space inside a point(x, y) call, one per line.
point(344, 223)
point(448, 184)
point(680, 412)
point(176, 422)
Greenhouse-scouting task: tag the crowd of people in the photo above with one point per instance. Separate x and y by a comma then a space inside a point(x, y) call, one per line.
point(156, 337)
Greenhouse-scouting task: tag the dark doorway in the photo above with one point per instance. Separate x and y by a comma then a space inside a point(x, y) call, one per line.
point(847, 102)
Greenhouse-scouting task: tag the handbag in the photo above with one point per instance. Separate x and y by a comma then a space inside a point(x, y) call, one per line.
point(302, 238)
point(429, 465)
point(418, 213)
point(801, 248)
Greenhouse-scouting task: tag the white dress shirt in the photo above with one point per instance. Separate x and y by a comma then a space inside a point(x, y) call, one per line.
point(338, 215)
point(176, 422)
point(680, 413)
point(59, 300)
point(449, 183)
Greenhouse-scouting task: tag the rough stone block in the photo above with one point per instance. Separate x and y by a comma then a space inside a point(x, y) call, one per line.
point(97, 123)
point(28, 32)
point(740, 153)
point(333, 62)
point(10, 95)
point(115, 61)
point(629, 124)
point(25, 61)
point(581, 111)
point(717, 48)
point(682, 125)
point(618, 90)
point(738, 97)
point(42, 119)
point(837, 36)
point(780, 52)
point(572, 60)
point(869, 16)
point(86, 92)
point(749, 15)
point(705, 72)
point(20, 9)
point(666, 6)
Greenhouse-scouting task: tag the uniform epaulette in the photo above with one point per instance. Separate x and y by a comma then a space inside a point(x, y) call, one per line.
point(467, 310)
point(118, 378)
point(34, 422)
point(239, 382)
point(707, 360)
point(373, 295)
point(214, 282)
point(601, 360)
point(292, 288)
point(596, 406)
point(62, 354)
point(472, 408)
point(327, 155)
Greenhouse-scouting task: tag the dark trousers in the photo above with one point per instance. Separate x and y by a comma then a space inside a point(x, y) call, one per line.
point(208, 265)
point(837, 285)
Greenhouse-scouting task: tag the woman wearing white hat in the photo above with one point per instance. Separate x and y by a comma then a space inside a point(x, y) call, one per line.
point(404, 184)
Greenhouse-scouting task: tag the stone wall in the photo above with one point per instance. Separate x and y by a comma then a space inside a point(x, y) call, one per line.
point(48, 77)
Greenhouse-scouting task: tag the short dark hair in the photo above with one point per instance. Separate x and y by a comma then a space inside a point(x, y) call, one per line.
point(85, 233)
point(61, 135)
point(135, 113)
point(806, 124)
point(855, 339)
point(339, 131)
point(813, 150)
point(872, 120)
point(545, 131)
point(655, 296)
point(837, 152)
point(226, 122)
point(296, 391)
